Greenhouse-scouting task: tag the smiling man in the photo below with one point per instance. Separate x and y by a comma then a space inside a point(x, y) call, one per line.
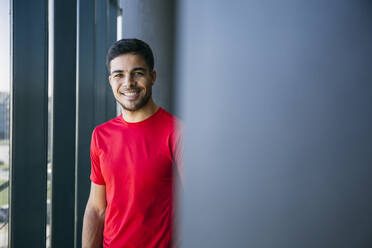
point(133, 159)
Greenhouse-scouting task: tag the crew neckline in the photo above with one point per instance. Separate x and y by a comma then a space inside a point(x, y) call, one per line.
point(143, 121)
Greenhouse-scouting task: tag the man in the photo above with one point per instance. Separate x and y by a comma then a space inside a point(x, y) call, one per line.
point(133, 156)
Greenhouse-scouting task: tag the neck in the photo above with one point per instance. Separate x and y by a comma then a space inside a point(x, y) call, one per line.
point(142, 114)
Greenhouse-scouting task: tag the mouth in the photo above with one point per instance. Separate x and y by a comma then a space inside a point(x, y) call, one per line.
point(130, 94)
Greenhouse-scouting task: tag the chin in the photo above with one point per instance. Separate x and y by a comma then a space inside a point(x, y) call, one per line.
point(133, 107)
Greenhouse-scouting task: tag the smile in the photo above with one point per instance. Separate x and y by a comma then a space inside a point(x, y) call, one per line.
point(130, 94)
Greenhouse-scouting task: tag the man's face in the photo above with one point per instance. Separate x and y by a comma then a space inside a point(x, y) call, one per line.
point(131, 81)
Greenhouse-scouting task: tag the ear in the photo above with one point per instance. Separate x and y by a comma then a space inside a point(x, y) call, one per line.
point(153, 74)
point(109, 78)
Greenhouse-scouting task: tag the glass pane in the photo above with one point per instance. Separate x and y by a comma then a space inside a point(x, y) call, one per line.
point(119, 36)
point(4, 120)
point(50, 116)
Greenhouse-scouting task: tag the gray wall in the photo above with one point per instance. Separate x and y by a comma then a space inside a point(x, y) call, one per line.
point(277, 99)
point(153, 22)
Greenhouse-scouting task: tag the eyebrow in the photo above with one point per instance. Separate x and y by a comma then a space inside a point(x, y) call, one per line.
point(139, 69)
point(134, 69)
point(116, 71)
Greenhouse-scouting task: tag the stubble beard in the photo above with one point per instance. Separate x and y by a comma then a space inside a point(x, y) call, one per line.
point(140, 104)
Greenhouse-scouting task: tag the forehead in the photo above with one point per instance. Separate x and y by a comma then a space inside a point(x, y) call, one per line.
point(127, 62)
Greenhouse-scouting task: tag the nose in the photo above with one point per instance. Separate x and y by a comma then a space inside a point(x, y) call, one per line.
point(129, 82)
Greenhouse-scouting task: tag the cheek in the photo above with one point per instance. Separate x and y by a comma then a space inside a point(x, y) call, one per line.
point(115, 87)
point(145, 85)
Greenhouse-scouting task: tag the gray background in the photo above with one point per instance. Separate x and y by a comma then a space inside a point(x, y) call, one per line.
point(276, 98)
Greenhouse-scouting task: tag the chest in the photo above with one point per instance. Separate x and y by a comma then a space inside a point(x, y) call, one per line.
point(140, 158)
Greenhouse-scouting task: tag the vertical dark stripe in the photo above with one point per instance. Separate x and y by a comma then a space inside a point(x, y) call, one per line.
point(112, 13)
point(64, 99)
point(85, 109)
point(94, 104)
point(101, 75)
point(29, 123)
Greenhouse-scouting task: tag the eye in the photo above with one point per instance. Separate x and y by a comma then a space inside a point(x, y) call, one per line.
point(118, 75)
point(138, 73)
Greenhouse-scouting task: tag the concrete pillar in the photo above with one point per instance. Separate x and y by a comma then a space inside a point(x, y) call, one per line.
point(277, 99)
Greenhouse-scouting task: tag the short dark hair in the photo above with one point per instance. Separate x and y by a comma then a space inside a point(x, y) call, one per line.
point(134, 46)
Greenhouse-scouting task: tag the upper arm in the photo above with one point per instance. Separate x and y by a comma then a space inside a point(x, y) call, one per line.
point(96, 173)
point(97, 197)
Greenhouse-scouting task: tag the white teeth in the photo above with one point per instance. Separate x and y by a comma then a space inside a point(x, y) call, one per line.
point(130, 93)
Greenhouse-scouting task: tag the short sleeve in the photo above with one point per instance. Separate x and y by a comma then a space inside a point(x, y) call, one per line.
point(95, 173)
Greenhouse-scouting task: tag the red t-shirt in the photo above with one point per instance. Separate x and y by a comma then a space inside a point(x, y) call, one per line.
point(135, 162)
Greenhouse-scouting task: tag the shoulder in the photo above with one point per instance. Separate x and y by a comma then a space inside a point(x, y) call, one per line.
point(171, 120)
point(107, 126)
point(174, 126)
point(104, 132)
